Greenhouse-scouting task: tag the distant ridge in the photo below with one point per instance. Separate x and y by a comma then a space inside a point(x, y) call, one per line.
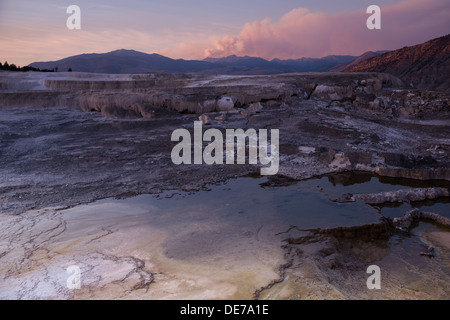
point(292, 65)
point(365, 56)
point(122, 62)
point(131, 61)
point(424, 66)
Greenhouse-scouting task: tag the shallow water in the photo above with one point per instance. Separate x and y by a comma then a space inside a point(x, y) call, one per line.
point(362, 183)
point(223, 242)
point(224, 220)
point(217, 219)
point(253, 201)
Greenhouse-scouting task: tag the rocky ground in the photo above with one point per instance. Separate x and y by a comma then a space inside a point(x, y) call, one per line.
point(71, 139)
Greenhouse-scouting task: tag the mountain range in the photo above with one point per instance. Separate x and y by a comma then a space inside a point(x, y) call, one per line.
point(130, 61)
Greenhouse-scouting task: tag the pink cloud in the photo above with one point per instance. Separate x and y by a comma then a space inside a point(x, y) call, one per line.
point(188, 50)
point(302, 33)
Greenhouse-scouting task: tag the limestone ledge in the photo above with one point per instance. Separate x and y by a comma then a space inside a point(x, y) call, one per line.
point(134, 96)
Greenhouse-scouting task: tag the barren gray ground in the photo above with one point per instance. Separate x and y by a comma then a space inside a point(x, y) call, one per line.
point(80, 138)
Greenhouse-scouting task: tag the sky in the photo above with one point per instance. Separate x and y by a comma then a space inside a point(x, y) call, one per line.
point(33, 31)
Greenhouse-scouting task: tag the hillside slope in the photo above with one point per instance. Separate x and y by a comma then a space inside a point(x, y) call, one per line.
point(424, 66)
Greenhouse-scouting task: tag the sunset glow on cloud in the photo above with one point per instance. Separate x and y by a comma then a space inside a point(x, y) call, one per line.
point(300, 32)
